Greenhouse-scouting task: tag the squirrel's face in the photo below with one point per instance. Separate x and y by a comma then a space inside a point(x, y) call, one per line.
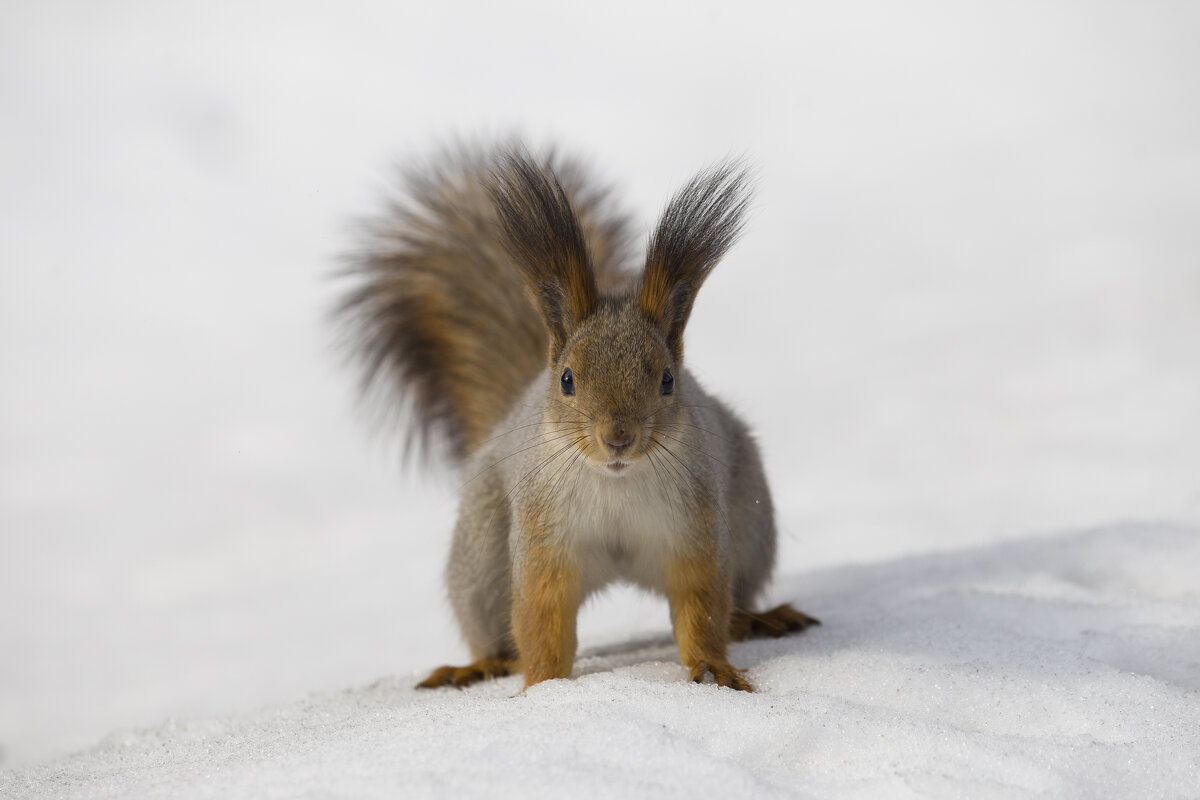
point(615, 383)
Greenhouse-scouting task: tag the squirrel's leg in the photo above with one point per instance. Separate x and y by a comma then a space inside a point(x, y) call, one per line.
point(545, 604)
point(479, 584)
point(700, 598)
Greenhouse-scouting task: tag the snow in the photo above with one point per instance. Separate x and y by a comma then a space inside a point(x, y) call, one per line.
point(964, 322)
point(1066, 666)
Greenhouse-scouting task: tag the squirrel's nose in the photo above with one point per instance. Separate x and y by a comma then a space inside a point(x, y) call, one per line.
point(618, 436)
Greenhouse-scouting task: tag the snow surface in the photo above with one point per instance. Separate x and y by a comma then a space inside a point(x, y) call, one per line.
point(1064, 666)
point(966, 312)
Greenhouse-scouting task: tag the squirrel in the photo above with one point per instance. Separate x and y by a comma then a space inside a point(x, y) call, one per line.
point(495, 301)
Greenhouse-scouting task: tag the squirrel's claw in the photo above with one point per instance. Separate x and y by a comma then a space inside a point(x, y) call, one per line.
point(723, 674)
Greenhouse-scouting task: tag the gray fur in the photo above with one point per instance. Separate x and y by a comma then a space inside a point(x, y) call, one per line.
point(723, 467)
point(501, 275)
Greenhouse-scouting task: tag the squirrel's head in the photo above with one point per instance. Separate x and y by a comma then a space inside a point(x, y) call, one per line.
point(613, 360)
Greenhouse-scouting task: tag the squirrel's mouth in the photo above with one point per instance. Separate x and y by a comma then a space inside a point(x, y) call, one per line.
point(617, 465)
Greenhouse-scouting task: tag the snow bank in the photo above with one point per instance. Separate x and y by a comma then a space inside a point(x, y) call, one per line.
point(1067, 665)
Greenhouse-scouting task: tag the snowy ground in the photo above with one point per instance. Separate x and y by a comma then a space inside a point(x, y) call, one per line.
point(1063, 666)
point(966, 313)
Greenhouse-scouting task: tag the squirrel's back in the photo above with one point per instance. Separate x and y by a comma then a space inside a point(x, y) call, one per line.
point(439, 315)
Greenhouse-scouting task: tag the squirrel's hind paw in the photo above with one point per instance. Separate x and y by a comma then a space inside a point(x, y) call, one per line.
point(459, 677)
point(779, 621)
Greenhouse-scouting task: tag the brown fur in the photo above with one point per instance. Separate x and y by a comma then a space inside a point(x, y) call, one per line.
point(545, 604)
point(699, 225)
point(546, 243)
point(700, 598)
point(500, 265)
point(439, 314)
point(618, 359)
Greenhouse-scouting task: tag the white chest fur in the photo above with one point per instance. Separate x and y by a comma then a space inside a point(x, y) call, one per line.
point(622, 527)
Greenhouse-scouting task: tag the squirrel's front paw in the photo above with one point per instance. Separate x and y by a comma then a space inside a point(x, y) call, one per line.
point(723, 674)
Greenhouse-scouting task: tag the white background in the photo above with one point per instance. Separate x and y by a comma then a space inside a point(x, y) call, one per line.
point(967, 306)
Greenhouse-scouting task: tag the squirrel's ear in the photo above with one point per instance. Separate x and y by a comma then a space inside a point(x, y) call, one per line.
point(699, 225)
point(544, 238)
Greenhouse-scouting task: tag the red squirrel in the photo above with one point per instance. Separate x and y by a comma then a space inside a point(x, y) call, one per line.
point(495, 299)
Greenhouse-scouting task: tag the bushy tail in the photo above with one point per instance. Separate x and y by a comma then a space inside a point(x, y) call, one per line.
point(438, 314)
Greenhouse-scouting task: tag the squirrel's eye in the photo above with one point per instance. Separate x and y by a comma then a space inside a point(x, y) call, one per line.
point(567, 382)
point(668, 382)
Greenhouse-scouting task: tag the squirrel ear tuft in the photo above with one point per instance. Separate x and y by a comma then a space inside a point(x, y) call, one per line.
point(697, 228)
point(545, 239)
